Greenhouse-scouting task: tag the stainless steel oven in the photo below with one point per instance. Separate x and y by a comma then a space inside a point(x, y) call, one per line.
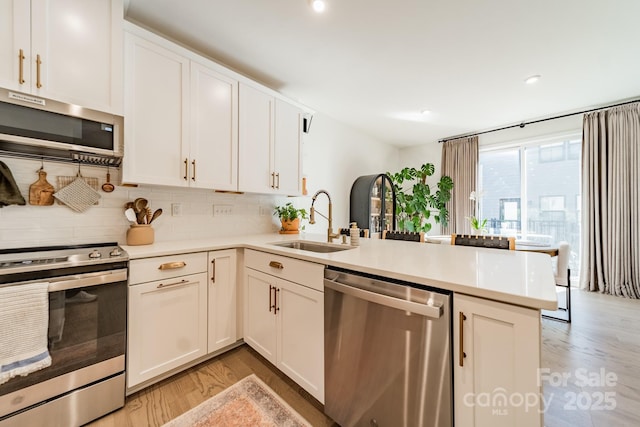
point(87, 304)
point(387, 352)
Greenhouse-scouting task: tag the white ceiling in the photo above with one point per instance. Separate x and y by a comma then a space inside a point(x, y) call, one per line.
point(375, 65)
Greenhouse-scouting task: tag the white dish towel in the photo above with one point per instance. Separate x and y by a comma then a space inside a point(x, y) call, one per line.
point(24, 320)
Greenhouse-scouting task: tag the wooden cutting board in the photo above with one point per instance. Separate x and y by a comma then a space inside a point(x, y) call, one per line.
point(41, 191)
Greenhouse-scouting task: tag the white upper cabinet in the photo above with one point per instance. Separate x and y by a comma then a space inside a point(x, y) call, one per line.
point(190, 122)
point(270, 159)
point(15, 44)
point(181, 117)
point(256, 140)
point(156, 108)
point(67, 50)
point(287, 159)
point(214, 129)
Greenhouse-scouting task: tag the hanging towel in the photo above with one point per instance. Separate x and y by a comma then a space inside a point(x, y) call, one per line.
point(24, 320)
point(9, 191)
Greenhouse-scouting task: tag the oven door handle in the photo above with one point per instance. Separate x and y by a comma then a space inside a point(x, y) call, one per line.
point(86, 280)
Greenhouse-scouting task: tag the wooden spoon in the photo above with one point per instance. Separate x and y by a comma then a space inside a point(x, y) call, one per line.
point(142, 217)
point(155, 215)
point(140, 204)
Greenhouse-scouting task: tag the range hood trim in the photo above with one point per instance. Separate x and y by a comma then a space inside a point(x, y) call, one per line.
point(35, 152)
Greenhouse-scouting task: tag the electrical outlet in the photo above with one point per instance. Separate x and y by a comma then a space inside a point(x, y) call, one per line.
point(263, 210)
point(222, 210)
point(176, 209)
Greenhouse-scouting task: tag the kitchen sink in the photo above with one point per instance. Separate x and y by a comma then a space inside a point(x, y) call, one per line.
point(319, 247)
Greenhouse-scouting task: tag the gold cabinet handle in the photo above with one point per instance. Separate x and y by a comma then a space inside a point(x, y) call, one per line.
point(273, 180)
point(193, 177)
point(181, 282)
point(276, 264)
point(277, 309)
point(21, 67)
point(172, 265)
point(213, 271)
point(186, 169)
point(271, 305)
point(278, 177)
point(38, 63)
point(461, 338)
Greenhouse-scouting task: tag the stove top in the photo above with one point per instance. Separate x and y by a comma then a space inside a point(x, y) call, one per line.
point(21, 260)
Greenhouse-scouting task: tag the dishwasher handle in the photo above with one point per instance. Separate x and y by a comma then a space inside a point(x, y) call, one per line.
point(431, 311)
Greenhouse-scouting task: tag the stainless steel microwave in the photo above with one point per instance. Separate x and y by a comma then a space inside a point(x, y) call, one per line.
point(42, 128)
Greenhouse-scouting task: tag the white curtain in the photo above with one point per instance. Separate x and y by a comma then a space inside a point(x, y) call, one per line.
point(611, 201)
point(460, 162)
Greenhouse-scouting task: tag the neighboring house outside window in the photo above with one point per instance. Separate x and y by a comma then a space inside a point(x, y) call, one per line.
point(531, 190)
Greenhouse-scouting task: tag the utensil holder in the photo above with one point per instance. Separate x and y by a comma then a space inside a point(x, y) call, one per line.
point(140, 234)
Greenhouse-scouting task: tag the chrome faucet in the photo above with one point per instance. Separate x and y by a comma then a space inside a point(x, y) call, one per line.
point(312, 215)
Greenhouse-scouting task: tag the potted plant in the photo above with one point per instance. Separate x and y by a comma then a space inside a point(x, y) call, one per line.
point(290, 218)
point(414, 209)
point(479, 226)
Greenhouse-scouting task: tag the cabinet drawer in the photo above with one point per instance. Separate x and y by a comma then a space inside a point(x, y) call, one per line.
point(303, 272)
point(166, 267)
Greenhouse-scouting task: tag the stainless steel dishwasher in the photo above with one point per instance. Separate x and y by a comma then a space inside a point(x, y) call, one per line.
point(387, 352)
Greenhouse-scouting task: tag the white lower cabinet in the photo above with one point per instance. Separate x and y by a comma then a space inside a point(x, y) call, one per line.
point(181, 308)
point(284, 321)
point(496, 364)
point(167, 326)
point(260, 323)
point(301, 336)
point(222, 300)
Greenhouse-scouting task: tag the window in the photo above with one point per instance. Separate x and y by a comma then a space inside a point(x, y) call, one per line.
point(532, 191)
point(552, 152)
point(551, 203)
point(574, 150)
point(510, 209)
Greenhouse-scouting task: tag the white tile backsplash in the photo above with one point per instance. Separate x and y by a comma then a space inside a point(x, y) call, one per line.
point(334, 156)
point(24, 226)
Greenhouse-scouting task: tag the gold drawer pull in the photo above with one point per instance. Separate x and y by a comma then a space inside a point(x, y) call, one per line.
point(276, 264)
point(172, 265)
point(181, 282)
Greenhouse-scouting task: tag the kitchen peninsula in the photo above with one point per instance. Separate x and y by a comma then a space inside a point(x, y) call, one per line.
point(497, 298)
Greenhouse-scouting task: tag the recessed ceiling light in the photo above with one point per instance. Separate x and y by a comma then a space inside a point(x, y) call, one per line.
point(425, 112)
point(532, 79)
point(318, 5)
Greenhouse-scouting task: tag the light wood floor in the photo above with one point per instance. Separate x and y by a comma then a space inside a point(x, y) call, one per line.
point(603, 336)
point(164, 401)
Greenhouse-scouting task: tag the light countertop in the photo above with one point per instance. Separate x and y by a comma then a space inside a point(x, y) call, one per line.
point(514, 277)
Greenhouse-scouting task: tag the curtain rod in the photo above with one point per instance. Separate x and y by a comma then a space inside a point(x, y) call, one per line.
point(523, 124)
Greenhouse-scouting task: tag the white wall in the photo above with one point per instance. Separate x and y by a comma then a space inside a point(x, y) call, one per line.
point(334, 156)
point(329, 152)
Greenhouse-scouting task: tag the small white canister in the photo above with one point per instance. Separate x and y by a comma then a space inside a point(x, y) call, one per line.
point(354, 234)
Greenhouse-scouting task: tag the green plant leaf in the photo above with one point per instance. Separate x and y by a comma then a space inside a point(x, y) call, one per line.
point(413, 206)
point(427, 169)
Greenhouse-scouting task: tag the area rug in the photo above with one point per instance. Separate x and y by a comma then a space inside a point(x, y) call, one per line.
point(249, 402)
